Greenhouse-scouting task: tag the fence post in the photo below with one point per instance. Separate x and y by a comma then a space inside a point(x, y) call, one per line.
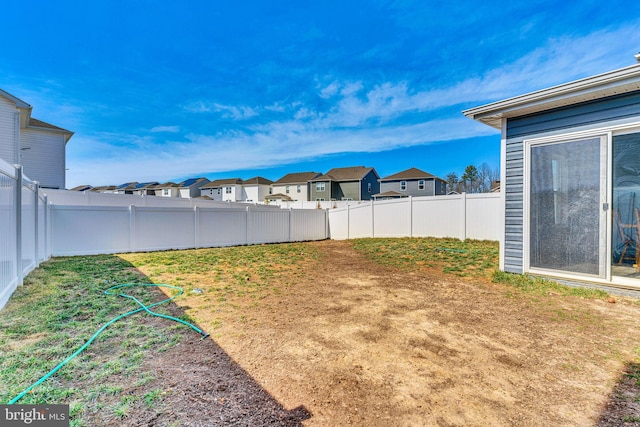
point(348, 222)
point(373, 220)
point(18, 213)
point(47, 228)
point(247, 230)
point(410, 216)
point(196, 227)
point(36, 220)
point(132, 228)
point(463, 215)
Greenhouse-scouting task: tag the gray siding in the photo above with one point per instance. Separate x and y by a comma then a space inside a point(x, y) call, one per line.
point(577, 117)
point(412, 187)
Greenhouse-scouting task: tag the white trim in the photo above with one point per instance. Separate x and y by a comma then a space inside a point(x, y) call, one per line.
point(611, 83)
point(503, 196)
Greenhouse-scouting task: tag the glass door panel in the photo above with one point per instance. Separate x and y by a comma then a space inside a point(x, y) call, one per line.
point(566, 222)
point(625, 240)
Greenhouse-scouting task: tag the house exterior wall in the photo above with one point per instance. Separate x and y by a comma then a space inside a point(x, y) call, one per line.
point(255, 193)
point(214, 193)
point(172, 192)
point(327, 194)
point(43, 157)
point(609, 111)
point(8, 131)
point(370, 179)
point(302, 195)
point(432, 187)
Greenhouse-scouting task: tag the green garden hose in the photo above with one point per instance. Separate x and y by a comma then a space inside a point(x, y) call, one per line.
point(143, 307)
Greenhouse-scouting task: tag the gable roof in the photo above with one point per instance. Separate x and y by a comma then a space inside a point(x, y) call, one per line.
point(599, 86)
point(353, 173)
point(390, 195)
point(257, 180)
point(222, 182)
point(191, 181)
point(297, 178)
point(412, 173)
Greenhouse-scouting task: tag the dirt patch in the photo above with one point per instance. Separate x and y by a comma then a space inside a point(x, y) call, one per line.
point(351, 342)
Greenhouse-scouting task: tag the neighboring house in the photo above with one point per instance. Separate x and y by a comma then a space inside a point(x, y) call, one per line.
point(296, 186)
point(38, 146)
point(256, 189)
point(350, 183)
point(126, 188)
point(570, 179)
point(145, 189)
point(223, 190)
point(191, 187)
point(104, 189)
point(82, 188)
point(168, 189)
point(411, 182)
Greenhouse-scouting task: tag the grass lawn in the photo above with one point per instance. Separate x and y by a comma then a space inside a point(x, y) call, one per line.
point(268, 306)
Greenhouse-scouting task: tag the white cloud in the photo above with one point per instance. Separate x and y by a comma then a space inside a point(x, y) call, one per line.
point(361, 117)
point(168, 129)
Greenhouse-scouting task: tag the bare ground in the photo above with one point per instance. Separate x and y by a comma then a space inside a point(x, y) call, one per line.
point(355, 343)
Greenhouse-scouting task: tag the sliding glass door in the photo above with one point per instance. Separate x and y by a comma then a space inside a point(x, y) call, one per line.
point(567, 210)
point(625, 234)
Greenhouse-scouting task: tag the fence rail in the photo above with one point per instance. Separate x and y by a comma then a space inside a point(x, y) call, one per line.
point(462, 216)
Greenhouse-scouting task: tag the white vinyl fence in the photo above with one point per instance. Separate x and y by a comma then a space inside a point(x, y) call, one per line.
point(86, 230)
point(24, 241)
point(461, 216)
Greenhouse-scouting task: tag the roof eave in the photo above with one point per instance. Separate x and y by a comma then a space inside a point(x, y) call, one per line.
point(615, 82)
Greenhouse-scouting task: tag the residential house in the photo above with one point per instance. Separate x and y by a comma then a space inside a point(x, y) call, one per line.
point(411, 182)
point(126, 188)
point(82, 188)
point(191, 187)
point(168, 189)
point(295, 186)
point(38, 146)
point(145, 188)
point(570, 179)
point(350, 183)
point(223, 190)
point(256, 189)
point(104, 189)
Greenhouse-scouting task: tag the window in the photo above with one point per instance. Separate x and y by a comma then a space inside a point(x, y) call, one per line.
point(299, 189)
point(270, 190)
point(319, 199)
point(165, 192)
point(287, 189)
point(319, 186)
point(421, 184)
point(218, 190)
point(369, 187)
point(403, 185)
point(227, 190)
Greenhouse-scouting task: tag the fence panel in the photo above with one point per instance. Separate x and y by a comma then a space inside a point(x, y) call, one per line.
point(221, 227)
point(268, 225)
point(162, 228)
point(89, 230)
point(438, 216)
point(360, 221)
point(29, 228)
point(392, 218)
point(8, 261)
point(308, 224)
point(476, 216)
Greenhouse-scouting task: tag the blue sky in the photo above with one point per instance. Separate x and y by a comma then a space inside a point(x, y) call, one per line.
point(166, 90)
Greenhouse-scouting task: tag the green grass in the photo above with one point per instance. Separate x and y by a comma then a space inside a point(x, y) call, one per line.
point(541, 286)
point(61, 305)
point(469, 258)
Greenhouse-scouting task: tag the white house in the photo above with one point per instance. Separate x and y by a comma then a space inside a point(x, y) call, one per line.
point(38, 146)
point(191, 187)
point(256, 189)
point(168, 189)
point(223, 190)
point(294, 185)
